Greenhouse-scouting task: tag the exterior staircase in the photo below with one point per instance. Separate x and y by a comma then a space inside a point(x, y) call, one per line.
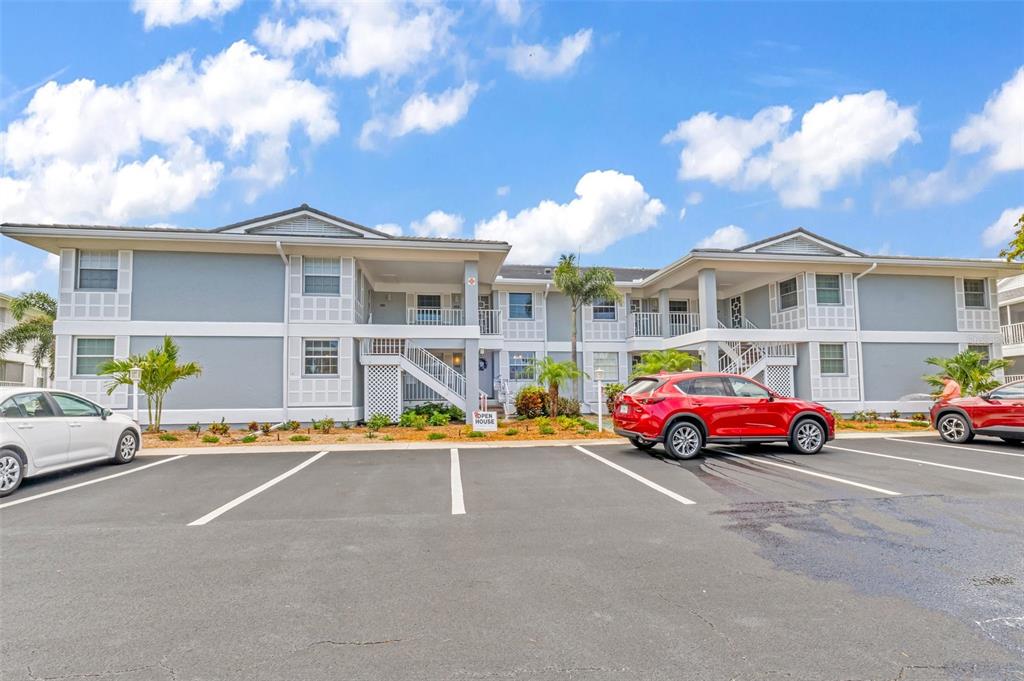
point(771, 363)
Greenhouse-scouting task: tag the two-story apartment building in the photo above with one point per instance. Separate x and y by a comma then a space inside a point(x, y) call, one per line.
point(19, 368)
point(302, 314)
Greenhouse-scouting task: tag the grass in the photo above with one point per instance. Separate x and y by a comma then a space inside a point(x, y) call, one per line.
point(299, 438)
point(249, 439)
point(545, 429)
point(435, 436)
point(512, 432)
point(211, 439)
point(168, 437)
point(474, 433)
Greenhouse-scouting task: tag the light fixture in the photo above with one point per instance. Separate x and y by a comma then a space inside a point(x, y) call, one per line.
point(457, 360)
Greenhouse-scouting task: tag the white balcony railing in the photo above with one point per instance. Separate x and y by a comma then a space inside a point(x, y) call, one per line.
point(645, 324)
point(436, 316)
point(490, 322)
point(683, 322)
point(1013, 334)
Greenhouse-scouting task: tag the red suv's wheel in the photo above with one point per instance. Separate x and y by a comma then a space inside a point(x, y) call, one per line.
point(808, 437)
point(954, 428)
point(684, 440)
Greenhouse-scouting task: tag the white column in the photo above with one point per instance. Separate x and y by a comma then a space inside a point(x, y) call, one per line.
point(471, 364)
point(663, 313)
point(710, 356)
point(470, 296)
point(707, 298)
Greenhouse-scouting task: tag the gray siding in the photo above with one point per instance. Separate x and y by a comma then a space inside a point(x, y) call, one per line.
point(207, 287)
point(802, 373)
point(238, 373)
point(892, 370)
point(387, 311)
point(756, 307)
point(559, 314)
point(907, 303)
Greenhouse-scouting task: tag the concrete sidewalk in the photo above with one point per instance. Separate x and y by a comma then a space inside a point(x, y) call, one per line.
point(447, 444)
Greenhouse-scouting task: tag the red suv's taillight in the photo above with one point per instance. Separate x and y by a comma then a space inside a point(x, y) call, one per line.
point(650, 400)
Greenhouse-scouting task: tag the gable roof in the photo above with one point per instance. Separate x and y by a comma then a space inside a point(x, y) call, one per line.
point(798, 241)
point(304, 219)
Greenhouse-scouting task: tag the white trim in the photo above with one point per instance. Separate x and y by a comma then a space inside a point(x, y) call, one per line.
point(783, 238)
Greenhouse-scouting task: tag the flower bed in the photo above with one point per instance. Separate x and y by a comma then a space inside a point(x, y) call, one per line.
point(527, 429)
point(880, 425)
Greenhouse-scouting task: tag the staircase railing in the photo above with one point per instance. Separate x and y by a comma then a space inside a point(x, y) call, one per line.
point(436, 369)
point(747, 357)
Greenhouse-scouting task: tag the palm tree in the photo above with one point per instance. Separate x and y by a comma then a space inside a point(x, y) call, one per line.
point(972, 370)
point(582, 287)
point(160, 371)
point(553, 373)
point(34, 311)
point(671, 361)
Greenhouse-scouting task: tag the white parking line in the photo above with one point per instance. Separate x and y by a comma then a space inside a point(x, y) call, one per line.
point(814, 473)
point(91, 482)
point(251, 493)
point(639, 478)
point(969, 449)
point(458, 503)
point(928, 463)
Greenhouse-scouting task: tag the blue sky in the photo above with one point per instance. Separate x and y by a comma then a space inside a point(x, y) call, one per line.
point(894, 128)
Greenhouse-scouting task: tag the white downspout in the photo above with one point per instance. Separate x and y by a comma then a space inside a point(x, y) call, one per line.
point(860, 342)
point(285, 339)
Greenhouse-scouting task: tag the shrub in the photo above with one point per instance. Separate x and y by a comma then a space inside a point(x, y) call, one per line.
point(894, 414)
point(253, 426)
point(919, 417)
point(168, 437)
point(588, 427)
point(919, 422)
point(324, 425)
point(195, 427)
point(387, 438)
point(411, 419)
point(567, 406)
point(345, 425)
point(219, 428)
point(566, 422)
point(292, 425)
point(545, 430)
point(612, 391)
point(376, 422)
point(860, 416)
point(438, 418)
point(474, 433)
point(266, 428)
point(871, 414)
point(299, 438)
point(512, 431)
point(530, 401)
point(870, 426)
point(542, 421)
point(212, 439)
point(250, 438)
point(450, 410)
point(435, 436)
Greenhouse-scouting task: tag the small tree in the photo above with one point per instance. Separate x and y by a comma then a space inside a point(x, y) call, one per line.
point(582, 287)
point(1015, 250)
point(160, 371)
point(671, 361)
point(970, 369)
point(35, 312)
point(553, 374)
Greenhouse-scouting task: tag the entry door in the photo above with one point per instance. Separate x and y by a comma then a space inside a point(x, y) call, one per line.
point(44, 433)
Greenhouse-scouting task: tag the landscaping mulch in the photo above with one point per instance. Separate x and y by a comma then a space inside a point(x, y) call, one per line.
point(881, 425)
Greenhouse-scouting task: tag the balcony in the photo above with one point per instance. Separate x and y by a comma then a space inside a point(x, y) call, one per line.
point(1013, 334)
point(435, 316)
point(490, 322)
point(648, 324)
point(683, 322)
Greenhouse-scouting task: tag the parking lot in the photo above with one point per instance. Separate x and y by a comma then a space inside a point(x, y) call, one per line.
point(875, 559)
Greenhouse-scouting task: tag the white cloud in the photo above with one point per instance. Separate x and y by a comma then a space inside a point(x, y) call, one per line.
point(729, 237)
point(172, 12)
point(15, 276)
point(510, 11)
point(308, 32)
point(1001, 231)
point(389, 228)
point(421, 113)
point(503, 190)
point(538, 61)
point(609, 206)
point(438, 224)
point(52, 262)
point(682, 214)
point(90, 152)
point(837, 140)
point(998, 129)
point(694, 198)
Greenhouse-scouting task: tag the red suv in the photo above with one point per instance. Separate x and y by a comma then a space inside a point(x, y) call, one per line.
point(999, 413)
point(685, 411)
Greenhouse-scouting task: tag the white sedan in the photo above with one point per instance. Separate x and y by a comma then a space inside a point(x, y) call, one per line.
point(46, 430)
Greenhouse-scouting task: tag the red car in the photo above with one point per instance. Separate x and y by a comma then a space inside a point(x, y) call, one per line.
point(999, 413)
point(685, 411)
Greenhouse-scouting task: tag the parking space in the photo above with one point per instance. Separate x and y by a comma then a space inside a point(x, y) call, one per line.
point(869, 560)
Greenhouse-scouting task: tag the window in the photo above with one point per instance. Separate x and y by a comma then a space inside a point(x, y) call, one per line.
point(703, 385)
point(74, 406)
point(97, 270)
point(829, 289)
point(974, 293)
point(983, 350)
point(1013, 391)
point(604, 310)
point(741, 387)
point(520, 306)
point(678, 306)
point(457, 301)
point(520, 366)
point(787, 294)
point(26, 406)
point(91, 353)
point(641, 385)
point(635, 360)
point(608, 363)
point(635, 305)
point(12, 372)
point(320, 357)
point(431, 301)
point(832, 359)
point(321, 276)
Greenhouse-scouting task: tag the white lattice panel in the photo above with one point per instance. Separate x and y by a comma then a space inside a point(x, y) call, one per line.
point(830, 316)
point(383, 385)
point(793, 318)
point(780, 379)
point(973, 318)
point(835, 388)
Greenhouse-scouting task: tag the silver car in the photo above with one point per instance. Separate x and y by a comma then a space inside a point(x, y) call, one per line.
point(47, 430)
